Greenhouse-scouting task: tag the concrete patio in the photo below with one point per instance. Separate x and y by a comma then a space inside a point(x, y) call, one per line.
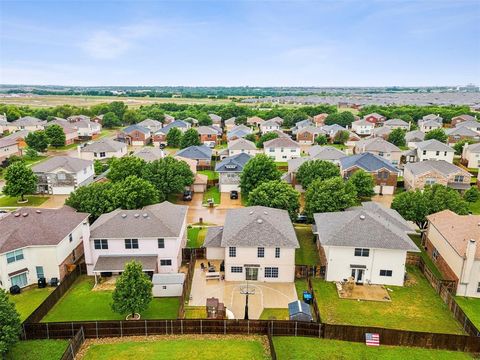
point(364, 292)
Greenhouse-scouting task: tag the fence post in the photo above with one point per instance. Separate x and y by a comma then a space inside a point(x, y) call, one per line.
point(24, 332)
point(181, 325)
point(48, 333)
point(171, 327)
point(146, 330)
point(319, 330)
point(71, 350)
point(121, 329)
point(272, 327)
point(224, 327)
point(73, 333)
point(295, 328)
point(248, 327)
point(201, 330)
point(96, 328)
point(166, 327)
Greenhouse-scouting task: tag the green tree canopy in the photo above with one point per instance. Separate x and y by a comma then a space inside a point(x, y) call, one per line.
point(135, 193)
point(257, 170)
point(329, 195)
point(131, 117)
point(321, 140)
point(344, 119)
point(121, 168)
point(341, 137)
point(397, 137)
point(190, 138)
point(363, 183)
point(266, 137)
point(458, 147)
point(472, 194)
point(110, 120)
point(251, 137)
point(133, 290)
point(56, 135)
point(276, 194)
point(316, 169)
point(118, 108)
point(19, 180)
point(10, 324)
point(174, 137)
point(437, 134)
point(37, 140)
point(95, 199)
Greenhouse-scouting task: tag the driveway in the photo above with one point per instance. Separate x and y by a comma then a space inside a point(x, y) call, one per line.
point(54, 202)
point(383, 199)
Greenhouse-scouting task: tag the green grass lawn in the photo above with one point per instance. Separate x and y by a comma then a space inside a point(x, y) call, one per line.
point(212, 193)
point(220, 348)
point(430, 264)
point(307, 254)
point(28, 300)
point(63, 148)
point(80, 303)
point(38, 350)
point(413, 307)
point(471, 307)
point(7, 201)
point(316, 349)
point(281, 163)
point(34, 160)
point(212, 175)
point(475, 207)
point(196, 236)
point(274, 314)
point(195, 312)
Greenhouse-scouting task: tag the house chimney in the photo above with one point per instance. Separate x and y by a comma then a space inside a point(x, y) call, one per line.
point(468, 261)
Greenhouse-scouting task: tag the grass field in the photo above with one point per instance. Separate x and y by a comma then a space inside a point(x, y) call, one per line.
point(181, 348)
point(430, 264)
point(63, 148)
point(307, 254)
point(290, 348)
point(195, 312)
point(7, 201)
point(38, 350)
point(413, 307)
point(471, 307)
point(28, 300)
point(212, 175)
point(475, 207)
point(81, 303)
point(196, 236)
point(212, 193)
point(274, 314)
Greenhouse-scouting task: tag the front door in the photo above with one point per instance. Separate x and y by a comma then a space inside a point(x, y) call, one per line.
point(357, 275)
point(251, 273)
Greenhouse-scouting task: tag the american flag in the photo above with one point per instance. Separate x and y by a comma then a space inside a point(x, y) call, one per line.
point(372, 339)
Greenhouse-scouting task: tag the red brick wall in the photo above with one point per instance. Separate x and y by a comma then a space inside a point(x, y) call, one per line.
point(69, 261)
point(440, 262)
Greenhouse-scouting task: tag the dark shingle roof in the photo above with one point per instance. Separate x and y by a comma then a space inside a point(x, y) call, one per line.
point(233, 163)
point(196, 152)
point(70, 164)
point(368, 162)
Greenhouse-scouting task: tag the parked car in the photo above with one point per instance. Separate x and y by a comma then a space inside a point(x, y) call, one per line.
point(234, 194)
point(302, 218)
point(187, 195)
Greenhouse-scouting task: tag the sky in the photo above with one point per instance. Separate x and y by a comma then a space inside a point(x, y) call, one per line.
point(240, 43)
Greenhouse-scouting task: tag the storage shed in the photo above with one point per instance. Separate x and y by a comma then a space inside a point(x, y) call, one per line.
point(167, 285)
point(299, 311)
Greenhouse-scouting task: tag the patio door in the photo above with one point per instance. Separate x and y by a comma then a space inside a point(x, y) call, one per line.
point(358, 275)
point(251, 273)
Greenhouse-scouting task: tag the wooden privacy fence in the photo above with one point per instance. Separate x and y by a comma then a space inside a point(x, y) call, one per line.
point(100, 329)
point(187, 286)
point(316, 311)
point(198, 253)
point(74, 345)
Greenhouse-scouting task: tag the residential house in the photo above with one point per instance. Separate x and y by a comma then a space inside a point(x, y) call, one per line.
point(240, 146)
point(61, 175)
point(201, 154)
point(3, 124)
point(229, 170)
point(151, 124)
point(452, 242)
point(368, 244)
point(363, 127)
point(433, 117)
point(301, 125)
point(319, 120)
point(153, 236)
point(160, 137)
point(462, 118)
point(280, 133)
point(192, 121)
point(397, 124)
point(149, 153)
point(384, 173)
point(29, 123)
point(308, 134)
point(281, 149)
point(430, 150)
point(255, 121)
point(459, 133)
point(375, 118)
point(200, 181)
point(135, 135)
point(168, 119)
point(216, 120)
point(87, 129)
point(413, 137)
point(40, 243)
point(69, 129)
point(382, 132)
point(77, 118)
point(470, 155)
point(269, 125)
point(420, 174)
point(380, 147)
point(103, 149)
point(19, 137)
point(471, 124)
point(277, 119)
point(208, 135)
point(230, 123)
point(238, 132)
point(8, 148)
point(97, 119)
point(429, 125)
point(257, 243)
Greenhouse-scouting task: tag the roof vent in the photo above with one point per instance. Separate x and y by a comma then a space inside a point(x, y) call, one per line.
point(362, 217)
point(136, 215)
point(266, 213)
point(124, 216)
point(260, 221)
point(25, 214)
point(145, 215)
point(17, 214)
point(251, 212)
point(38, 211)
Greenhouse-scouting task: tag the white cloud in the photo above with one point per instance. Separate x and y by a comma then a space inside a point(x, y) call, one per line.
point(105, 45)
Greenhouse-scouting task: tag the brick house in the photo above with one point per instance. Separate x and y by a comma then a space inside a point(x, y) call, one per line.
point(462, 118)
point(308, 134)
point(208, 136)
point(135, 135)
point(375, 118)
point(418, 175)
point(319, 120)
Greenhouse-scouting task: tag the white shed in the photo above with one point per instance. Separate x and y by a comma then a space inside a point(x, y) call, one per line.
point(168, 285)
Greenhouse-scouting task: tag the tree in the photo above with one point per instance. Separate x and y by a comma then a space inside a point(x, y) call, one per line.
point(344, 119)
point(341, 137)
point(29, 153)
point(56, 135)
point(437, 134)
point(10, 324)
point(251, 137)
point(131, 117)
point(19, 180)
point(276, 194)
point(397, 137)
point(110, 120)
point(99, 167)
point(203, 119)
point(134, 193)
point(190, 138)
point(316, 169)
point(169, 176)
point(329, 195)
point(241, 120)
point(121, 168)
point(472, 194)
point(321, 140)
point(257, 170)
point(417, 205)
point(174, 137)
point(118, 108)
point(266, 137)
point(133, 290)
point(95, 199)
point(363, 183)
point(37, 140)
point(458, 147)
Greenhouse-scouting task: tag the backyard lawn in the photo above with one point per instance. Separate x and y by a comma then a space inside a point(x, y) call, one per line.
point(315, 349)
point(274, 314)
point(181, 348)
point(430, 264)
point(29, 161)
point(414, 307)
point(195, 312)
point(471, 307)
point(28, 300)
point(307, 254)
point(38, 350)
point(80, 303)
point(212, 175)
point(7, 201)
point(475, 207)
point(212, 193)
point(196, 236)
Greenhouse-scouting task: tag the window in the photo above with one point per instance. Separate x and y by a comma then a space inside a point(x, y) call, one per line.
point(101, 244)
point(70, 237)
point(424, 152)
point(166, 262)
point(261, 252)
point(15, 255)
point(386, 273)
point(277, 252)
point(61, 176)
point(458, 178)
point(382, 175)
point(236, 269)
point(445, 153)
point(437, 153)
point(94, 154)
point(161, 243)
point(430, 181)
point(381, 153)
point(362, 252)
point(164, 287)
point(20, 280)
point(131, 243)
point(271, 272)
point(478, 288)
point(102, 154)
point(435, 254)
point(40, 273)
point(271, 149)
point(232, 251)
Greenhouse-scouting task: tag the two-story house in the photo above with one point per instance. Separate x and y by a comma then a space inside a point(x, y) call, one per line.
point(363, 127)
point(238, 132)
point(471, 155)
point(69, 129)
point(8, 148)
point(308, 134)
point(160, 136)
point(151, 124)
point(380, 147)
point(413, 137)
point(257, 243)
point(40, 243)
point(29, 123)
point(201, 154)
point(229, 170)
point(103, 149)
point(281, 149)
point(269, 125)
point(208, 135)
point(135, 135)
point(397, 124)
point(375, 118)
point(240, 146)
point(430, 150)
point(462, 118)
point(87, 129)
point(154, 236)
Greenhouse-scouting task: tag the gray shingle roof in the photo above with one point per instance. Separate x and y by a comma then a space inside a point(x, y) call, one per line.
point(150, 123)
point(206, 130)
point(325, 153)
point(440, 166)
point(395, 122)
point(234, 163)
point(149, 154)
point(201, 152)
point(281, 142)
point(105, 144)
point(239, 131)
point(376, 144)
point(462, 131)
point(213, 237)
point(258, 226)
point(230, 121)
point(115, 263)
point(137, 127)
point(175, 123)
point(433, 145)
point(68, 163)
point(474, 148)
point(159, 220)
point(28, 121)
point(415, 135)
point(368, 162)
point(242, 144)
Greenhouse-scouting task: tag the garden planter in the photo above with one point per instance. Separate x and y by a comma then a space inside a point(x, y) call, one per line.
point(134, 317)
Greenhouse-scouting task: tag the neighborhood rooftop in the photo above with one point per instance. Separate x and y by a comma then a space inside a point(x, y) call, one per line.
point(440, 166)
point(67, 163)
point(107, 145)
point(368, 162)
